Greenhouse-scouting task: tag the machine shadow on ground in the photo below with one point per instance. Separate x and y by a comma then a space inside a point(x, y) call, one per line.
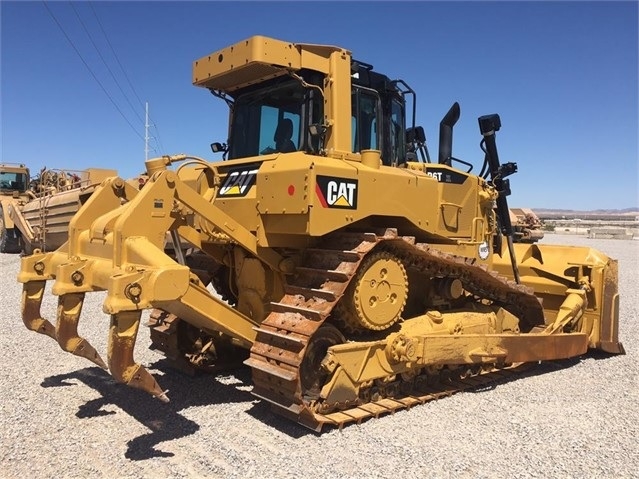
point(207, 389)
point(529, 370)
point(164, 419)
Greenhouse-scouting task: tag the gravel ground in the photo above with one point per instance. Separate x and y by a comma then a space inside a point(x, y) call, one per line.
point(62, 417)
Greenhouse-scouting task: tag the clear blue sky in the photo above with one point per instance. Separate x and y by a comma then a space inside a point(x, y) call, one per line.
point(562, 76)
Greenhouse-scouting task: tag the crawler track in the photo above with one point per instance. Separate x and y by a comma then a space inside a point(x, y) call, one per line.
point(312, 293)
point(424, 389)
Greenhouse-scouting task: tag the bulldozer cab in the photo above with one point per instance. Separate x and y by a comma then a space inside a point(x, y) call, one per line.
point(290, 112)
point(13, 178)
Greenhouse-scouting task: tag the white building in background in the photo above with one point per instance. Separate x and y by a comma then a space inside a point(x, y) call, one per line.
point(610, 233)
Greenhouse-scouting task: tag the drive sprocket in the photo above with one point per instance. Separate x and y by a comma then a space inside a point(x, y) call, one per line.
point(377, 294)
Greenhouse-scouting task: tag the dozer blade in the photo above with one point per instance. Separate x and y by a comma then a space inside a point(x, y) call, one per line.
point(122, 335)
point(32, 293)
point(66, 328)
point(552, 270)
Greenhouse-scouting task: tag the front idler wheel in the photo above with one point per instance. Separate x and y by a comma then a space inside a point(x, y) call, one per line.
point(313, 375)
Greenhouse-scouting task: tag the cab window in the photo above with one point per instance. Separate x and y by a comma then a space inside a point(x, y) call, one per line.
point(397, 134)
point(365, 110)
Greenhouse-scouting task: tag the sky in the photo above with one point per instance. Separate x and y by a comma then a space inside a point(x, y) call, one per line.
point(563, 76)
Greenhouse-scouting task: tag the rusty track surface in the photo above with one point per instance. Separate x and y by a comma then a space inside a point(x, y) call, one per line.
point(312, 293)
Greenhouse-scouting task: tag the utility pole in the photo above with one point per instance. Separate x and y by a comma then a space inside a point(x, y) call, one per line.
point(146, 132)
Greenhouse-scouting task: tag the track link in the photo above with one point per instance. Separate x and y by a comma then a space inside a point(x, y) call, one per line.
point(315, 289)
point(430, 390)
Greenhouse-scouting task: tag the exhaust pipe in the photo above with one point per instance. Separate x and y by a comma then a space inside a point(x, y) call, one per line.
point(446, 134)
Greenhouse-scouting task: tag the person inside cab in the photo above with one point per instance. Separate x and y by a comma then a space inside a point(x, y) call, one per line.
point(282, 138)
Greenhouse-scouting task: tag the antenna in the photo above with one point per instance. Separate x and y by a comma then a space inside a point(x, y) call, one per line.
point(146, 132)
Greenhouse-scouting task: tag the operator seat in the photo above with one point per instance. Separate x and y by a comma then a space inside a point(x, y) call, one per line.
point(282, 136)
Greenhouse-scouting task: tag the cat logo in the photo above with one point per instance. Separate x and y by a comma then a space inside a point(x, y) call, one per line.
point(238, 182)
point(335, 192)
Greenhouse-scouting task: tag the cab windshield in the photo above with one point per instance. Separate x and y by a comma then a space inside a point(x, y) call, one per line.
point(13, 181)
point(273, 119)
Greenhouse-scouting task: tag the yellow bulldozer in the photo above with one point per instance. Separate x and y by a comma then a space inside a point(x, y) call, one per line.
point(14, 191)
point(352, 274)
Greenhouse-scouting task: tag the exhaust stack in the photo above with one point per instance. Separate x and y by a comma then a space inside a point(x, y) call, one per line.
point(446, 134)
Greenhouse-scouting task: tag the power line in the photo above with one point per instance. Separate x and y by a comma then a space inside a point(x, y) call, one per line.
point(115, 54)
point(105, 63)
point(117, 59)
point(89, 68)
point(157, 132)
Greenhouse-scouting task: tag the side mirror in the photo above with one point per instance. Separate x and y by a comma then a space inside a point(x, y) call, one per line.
point(219, 147)
point(317, 130)
point(415, 135)
point(318, 136)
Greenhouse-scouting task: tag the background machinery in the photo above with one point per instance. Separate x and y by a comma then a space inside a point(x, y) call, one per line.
point(14, 190)
point(35, 212)
point(355, 276)
point(527, 227)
